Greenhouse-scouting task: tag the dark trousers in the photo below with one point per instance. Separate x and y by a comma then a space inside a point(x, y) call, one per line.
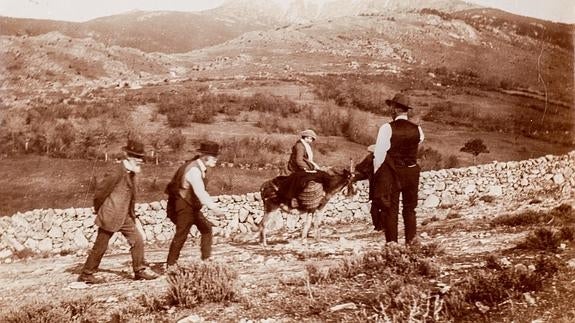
point(409, 181)
point(376, 215)
point(131, 234)
point(184, 216)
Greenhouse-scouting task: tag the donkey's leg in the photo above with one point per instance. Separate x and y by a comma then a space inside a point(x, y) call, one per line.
point(268, 212)
point(262, 227)
point(317, 219)
point(306, 225)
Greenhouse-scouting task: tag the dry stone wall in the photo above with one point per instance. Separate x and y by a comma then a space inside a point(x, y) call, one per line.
point(62, 230)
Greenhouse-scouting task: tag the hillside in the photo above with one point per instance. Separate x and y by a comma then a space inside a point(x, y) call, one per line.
point(168, 32)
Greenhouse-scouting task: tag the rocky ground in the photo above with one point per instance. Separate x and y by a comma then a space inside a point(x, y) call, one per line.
point(263, 270)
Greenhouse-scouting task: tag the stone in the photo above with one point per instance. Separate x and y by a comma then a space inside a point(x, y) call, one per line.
point(291, 221)
point(161, 215)
point(164, 204)
point(19, 221)
point(432, 201)
point(80, 240)
point(5, 253)
point(194, 318)
point(71, 225)
point(156, 206)
point(243, 215)
point(45, 245)
point(31, 244)
point(38, 233)
point(439, 186)
point(48, 220)
point(469, 189)
point(88, 222)
point(70, 212)
point(529, 299)
point(56, 232)
point(495, 190)
point(558, 179)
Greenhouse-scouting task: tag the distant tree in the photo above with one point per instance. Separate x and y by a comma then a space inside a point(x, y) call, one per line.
point(474, 147)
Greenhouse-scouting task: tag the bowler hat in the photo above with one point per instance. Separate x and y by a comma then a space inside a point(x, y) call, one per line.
point(135, 148)
point(309, 133)
point(209, 148)
point(400, 101)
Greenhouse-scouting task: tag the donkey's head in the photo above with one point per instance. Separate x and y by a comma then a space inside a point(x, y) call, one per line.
point(338, 180)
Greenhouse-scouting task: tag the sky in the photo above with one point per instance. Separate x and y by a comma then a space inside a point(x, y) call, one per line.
point(83, 10)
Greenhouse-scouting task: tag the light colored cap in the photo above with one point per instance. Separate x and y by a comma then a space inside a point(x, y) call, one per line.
point(309, 133)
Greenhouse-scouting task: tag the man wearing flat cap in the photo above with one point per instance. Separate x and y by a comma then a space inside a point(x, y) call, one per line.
point(301, 158)
point(396, 170)
point(186, 196)
point(114, 204)
point(303, 169)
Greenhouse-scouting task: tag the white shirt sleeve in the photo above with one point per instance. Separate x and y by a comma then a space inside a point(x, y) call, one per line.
point(194, 177)
point(382, 145)
point(421, 136)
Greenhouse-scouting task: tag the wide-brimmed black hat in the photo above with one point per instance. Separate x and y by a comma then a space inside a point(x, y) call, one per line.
point(400, 101)
point(135, 148)
point(209, 148)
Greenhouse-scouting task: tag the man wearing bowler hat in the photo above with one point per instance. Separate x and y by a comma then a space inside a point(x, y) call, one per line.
point(396, 170)
point(114, 204)
point(186, 196)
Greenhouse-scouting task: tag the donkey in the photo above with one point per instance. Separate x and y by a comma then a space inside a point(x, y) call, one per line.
point(312, 200)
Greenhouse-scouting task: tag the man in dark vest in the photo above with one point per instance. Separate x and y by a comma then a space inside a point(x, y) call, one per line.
point(396, 169)
point(114, 204)
point(186, 196)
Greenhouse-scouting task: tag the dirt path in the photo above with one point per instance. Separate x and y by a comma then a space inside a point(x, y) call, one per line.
point(283, 259)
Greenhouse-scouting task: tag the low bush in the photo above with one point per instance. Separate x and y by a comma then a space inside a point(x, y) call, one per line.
point(491, 286)
point(392, 258)
point(562, 214)
point(543, 239)
point(201, 282)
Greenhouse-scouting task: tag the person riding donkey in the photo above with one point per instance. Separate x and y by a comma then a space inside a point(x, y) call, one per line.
point(303, 170)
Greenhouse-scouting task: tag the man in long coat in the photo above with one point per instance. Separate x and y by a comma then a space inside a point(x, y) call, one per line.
point(114, 204)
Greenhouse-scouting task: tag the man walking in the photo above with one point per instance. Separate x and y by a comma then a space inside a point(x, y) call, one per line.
point(186, 195)
point(114, 204)
point(396, 169)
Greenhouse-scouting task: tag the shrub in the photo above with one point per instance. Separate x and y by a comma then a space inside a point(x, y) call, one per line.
point(429, 158)
point(541, 239)
point(392, 258)
point(201, 282)
point(37, 312)
point(241, 150)
point(494, 285)
point(176, 140)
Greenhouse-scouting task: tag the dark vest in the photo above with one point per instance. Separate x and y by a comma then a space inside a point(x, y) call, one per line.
point(404, 142)
point(176, 186)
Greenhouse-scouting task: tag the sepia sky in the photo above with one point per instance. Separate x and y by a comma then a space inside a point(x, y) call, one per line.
point(83, 10)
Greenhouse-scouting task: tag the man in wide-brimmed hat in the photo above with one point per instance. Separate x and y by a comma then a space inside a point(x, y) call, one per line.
point(396, 170)
point(186, 196)
point(114, 204)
